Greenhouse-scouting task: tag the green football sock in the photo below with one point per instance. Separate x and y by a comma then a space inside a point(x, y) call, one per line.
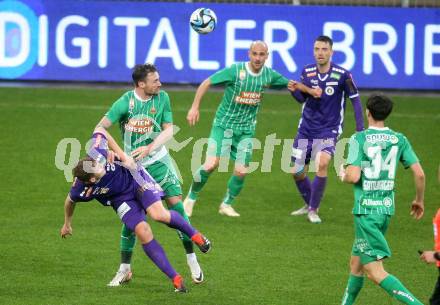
point(200, 178)
point(128, 240)
point(186, 240)
point(235, 184)
point(354, 285)
point(395, 288)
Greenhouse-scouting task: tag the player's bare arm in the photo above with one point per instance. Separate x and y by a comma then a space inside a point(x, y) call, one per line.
point(417, 206)
point(69, 208)
point(294, 85)
point(104, 123)
point(164, 136)
point(193, 113)
point(350, 174)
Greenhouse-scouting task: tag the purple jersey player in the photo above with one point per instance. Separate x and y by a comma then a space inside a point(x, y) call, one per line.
point(321, 122)
point(131, 193)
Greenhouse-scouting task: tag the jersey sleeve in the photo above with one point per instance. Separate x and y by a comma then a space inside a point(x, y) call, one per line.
point(99, 148)
point(278, 81)
point(355, 151)
point(350, 88)
point(225, 75)
point(167, 113)
point(80, 192)
point(118, 110)
point(408, 156)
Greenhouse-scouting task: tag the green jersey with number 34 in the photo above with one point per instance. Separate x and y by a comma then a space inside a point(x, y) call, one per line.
point(377, 151)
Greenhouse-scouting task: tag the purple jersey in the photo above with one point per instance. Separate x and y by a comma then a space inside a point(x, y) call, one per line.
point(324, 117)
point(118, 185)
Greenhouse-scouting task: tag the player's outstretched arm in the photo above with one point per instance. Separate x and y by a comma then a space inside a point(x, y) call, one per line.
point(69, 208)
point(417, 206)
point(193, 113)
point(113, 145)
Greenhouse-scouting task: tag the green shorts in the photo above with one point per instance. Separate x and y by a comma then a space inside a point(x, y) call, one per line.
point(164, 173)
point(231, 143)
point(370, 243)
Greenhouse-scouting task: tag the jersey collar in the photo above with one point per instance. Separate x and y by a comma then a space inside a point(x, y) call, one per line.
point(138, 98)
point(250, 71)
point(378, 128)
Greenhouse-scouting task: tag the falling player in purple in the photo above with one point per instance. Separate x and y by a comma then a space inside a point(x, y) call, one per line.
point(321, 122)
point(131, 193)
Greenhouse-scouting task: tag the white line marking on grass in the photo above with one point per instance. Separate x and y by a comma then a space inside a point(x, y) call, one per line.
point(209, 110)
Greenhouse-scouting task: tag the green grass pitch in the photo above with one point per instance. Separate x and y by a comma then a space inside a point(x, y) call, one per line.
point(264, 257)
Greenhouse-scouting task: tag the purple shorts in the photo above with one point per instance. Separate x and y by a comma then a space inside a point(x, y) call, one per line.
point(305, 148)
point(132, 212)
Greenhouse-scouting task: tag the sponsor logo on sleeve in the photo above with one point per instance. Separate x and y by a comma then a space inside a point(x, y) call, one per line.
point(311, 74)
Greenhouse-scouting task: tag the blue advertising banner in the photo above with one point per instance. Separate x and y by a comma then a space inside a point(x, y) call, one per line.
point(101, 41)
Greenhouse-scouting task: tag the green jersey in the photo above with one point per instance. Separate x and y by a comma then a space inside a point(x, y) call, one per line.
point(243, 94)
point(377, 152)
point(141, 121)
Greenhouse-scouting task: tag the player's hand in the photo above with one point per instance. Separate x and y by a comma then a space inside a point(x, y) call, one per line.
point(417, 209)
point(66, 230)
point(111, 155)
point(428, 257)
point(292, 85)
point(315, 92)
point(193, 116)
point(141, 152)
point(129, 163)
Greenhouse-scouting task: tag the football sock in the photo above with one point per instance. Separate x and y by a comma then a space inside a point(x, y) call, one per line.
point(305, 189)
point(200, 178)
point(235, 184)
point(128, 240)
point(318, 187)
point(156, 253)
point(354, 285)
point(186, 241)
point(396, 289)
point(177, 222)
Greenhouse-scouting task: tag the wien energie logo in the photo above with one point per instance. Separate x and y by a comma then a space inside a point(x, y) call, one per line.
point(248, 98)
point(141, 126)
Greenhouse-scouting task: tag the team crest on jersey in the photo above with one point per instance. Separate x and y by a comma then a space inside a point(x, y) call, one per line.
point(153, 110)
point(329, 90)
point(242, 74)
point(387, 202)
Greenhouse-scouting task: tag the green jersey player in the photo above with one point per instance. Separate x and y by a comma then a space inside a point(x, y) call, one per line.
point(234, 123)
point(371, 166)
point(146, 122)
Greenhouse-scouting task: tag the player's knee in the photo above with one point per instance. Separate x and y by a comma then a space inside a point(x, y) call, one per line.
point(143, 232)
point(211, 165)
point(240, 172)
point(375, 276)
point(355, 266)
